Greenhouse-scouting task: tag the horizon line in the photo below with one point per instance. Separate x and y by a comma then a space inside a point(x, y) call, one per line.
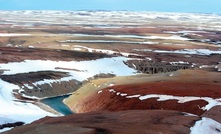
point(108, 10)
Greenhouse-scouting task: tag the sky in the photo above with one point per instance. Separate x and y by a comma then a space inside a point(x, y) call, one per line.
point(197, 6)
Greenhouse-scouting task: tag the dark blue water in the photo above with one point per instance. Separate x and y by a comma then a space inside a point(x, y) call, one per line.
point(57, 104)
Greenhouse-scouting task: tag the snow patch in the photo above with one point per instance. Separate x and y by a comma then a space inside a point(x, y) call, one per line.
point(112, 91)
point(211, 102)
point(179, 62)
point(99, 92)
point(106, 41)
point(110, 85)
point(110, 52)
point(5, 120)
point(13, 34)
point(184, 51)
point(206, 126)
point(133, 96)
point(173, 37)
point(27, 112)
point(17, 111)
point(113, 65)
point(123, 94)
point(31, 47)
point(171, 75)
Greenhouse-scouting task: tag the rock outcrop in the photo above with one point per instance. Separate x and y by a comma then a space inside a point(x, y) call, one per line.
point(29, 86)
point(145, 66)
point(9, 125)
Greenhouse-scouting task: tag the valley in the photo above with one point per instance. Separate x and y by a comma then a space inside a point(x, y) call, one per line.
point(115, 65)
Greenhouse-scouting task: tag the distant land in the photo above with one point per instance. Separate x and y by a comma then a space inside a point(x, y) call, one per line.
point(190, 6)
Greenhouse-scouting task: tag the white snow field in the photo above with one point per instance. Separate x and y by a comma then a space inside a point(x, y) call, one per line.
point(13, 111)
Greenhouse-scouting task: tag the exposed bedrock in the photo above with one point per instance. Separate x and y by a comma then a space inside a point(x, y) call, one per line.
point(51, 89)
point(24, 78)
point(195, 59)
point(124, 122)
point(145, 66)
point(35, 83)
point(9, 125)
point(43, 84)
point(206, 37)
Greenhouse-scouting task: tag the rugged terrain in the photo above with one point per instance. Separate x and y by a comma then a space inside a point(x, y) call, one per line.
point(158, 61)
point(132, 121)
point(124, 122)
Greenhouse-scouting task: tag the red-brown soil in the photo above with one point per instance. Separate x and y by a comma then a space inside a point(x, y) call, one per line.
point(111, 102)
point(214, 113)
point(125, 122)
point(190, 83)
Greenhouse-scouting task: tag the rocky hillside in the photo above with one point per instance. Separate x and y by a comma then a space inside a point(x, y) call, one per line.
point(124, 122)
point(192, 91)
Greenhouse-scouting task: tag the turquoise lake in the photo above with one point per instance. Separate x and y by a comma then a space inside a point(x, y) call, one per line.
point(57, 104)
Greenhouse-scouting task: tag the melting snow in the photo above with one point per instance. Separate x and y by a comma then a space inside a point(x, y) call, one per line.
point(184, 51)
point(13, 34)
point(4, 120)
point(133, 96)
point(179, 62)
point(106, 65)
point(99, 92)
point(211, 102)
point(110, 85)
point(206, 126)
point(173, 37)
point(123, 94)
point(171, 75)
point(17, 111)
point(112, 91)
point(106, 41)
point(111, 52)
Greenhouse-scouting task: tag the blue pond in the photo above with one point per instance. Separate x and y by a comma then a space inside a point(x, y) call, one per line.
point(57, 104)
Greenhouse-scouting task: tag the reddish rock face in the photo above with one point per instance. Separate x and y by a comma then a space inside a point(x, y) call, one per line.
point(124, 122)
point(107, 101)
point(186, 91)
